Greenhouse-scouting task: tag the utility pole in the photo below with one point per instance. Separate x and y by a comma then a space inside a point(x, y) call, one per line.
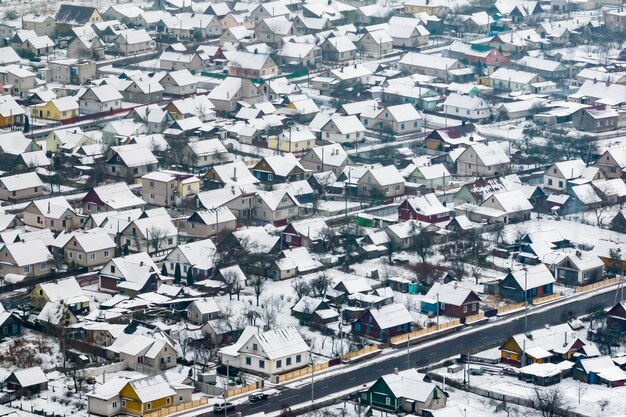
point(408, 352)
point(525, 298)
point(437, 305)
point(312, 376)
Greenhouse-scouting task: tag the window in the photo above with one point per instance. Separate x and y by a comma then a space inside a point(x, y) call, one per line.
point(255, 346)
point(465, 309)
point(474, 307)
point(561, 184)
point(151, 184)
point(443, 306)
point(114, 404)
point(151, 196)
point(43, 266)
point(27, 269)
point(270, 177)
point(168, 400)
point(387, 401)
point(402, 126)
point(148, 406)
point(414, 124)
point(549, 181)
point(298, 358)
point(261, 363)
point(106, 253)
point(279, 363)
point(80, 256)
point(248, 360)
point(92, 256)
point(70, 255)
point(123, 403)
point(365, 122)
point(288, 361)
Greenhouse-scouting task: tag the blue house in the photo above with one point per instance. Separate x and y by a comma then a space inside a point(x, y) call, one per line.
point(536, 280)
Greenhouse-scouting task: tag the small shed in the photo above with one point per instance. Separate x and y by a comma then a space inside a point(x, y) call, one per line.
point(27, 381)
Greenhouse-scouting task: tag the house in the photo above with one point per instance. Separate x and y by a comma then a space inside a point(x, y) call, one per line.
point(112, 197)
point(271, 353)
point(233, 173)
point(17, 80)
point(405, 392)
point(202, 311)
point(432, 7)
point(168, 188)
point(203, 154)
point(451, 300)
point(199, 256)
point(27, 382)
point(342, 129)
point(71, 15)
point(527, 283)
point(437, 66)
point(130, 275)
point(383, 323)
point(401, 119)
point(232, 90)
point(59, 109)
point(236, 34)
point(548, 69)
point(306, 233)
point(88, 45)
point(314, 311)
point(551, 343)
point(483, 160)
point(616, 316)
point(596, 119)
point(137, 350)
point(326, 158)
point(338, 49)
point(279, 168)
point(41, 25)
point(382, 183)
point(303, 54)
point(579, 268)
point(86, 249)
point(208, 223)
point(20, 187)
point(425, 208)
point(612, 162)
point(432, 177)
point(38, 46)
point(272, 30)
point(467, 107)
point(601, 370)
point(178, 83)
point(375, 43)
point(507, 207)
point(11, 113)
point(31, 259)
point(131, 161)
point(99, 99)
point(515, 80)
point(53, 213)
point(292, 262)
point(250, 65)
point(152, 234)
point(405, 32)
point(55, 315)
point(133, 42)
point(275, 207)
point(64, 291)
point(453, 137)
point(560, 174)
point(351, 75)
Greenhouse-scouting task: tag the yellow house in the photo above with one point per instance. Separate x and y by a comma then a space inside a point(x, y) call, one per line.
point(146, 395)
point(432, 7)
point(67, 140)
point(65, 291)
point(11, 113)
point(62, 108)
point(294, 141)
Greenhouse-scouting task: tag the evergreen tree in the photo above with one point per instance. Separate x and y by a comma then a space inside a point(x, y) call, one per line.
point(177, 275)
point(190, 276)
point(164, 270)
point(26, 125)
point(126, 251)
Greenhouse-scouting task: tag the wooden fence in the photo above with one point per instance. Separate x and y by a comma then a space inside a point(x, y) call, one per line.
point(360, 352)
point(410, 336)
point(178, 408)
point(242, 390)
point(598, 284)
point(546, 298)
point(510, 307)
point(301, 372)
point(475, 317)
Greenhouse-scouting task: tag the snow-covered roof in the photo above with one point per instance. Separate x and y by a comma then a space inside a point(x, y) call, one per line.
point(279, 343)
point(537, 276)
point(21, 181)
point(117, 196)
point(152, 388)
point(452, 294)
point(391, 315)
point(29, 253)
point(30, 376)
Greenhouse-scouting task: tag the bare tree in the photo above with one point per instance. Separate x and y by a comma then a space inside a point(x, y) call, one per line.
point(155, 237)
point(550, 402)
point(258, 284)
point(184, 340)
point(320, 284)
point(423, 245)
point(300, 287)
point(231, 283)
point(272, 306)
point(603, 403)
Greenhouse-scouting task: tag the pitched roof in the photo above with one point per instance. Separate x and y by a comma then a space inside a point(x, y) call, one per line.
point(449, 294)
point(283, 342)
point(391, 315)
point(72, 14)
point(30, 376)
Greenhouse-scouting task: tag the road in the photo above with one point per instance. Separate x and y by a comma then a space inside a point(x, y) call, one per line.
point(488, 337)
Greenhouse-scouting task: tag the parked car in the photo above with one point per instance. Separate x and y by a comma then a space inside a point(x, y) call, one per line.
point(258, 397)
point(224, 406)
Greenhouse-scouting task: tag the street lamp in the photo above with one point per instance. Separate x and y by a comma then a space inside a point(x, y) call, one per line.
point(312, 375)
point(525, 269)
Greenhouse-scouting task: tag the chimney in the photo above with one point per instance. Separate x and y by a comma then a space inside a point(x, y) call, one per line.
point(471, 138)
point(235, 174)
point(48, 207)
point(232, 189)
point(141, 263)
point(565, 343)
point(578, 254)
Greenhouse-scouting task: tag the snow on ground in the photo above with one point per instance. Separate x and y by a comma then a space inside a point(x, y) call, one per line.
point(30, 349)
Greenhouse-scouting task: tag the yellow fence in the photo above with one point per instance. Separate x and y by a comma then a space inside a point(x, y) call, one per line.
point(359, 352)
point(474, 317)
point(546, 298)
point(301, 372)
point(422, 332)
point(178, 408)
point(241, 390)
point(597, 285)
point(510, 307)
